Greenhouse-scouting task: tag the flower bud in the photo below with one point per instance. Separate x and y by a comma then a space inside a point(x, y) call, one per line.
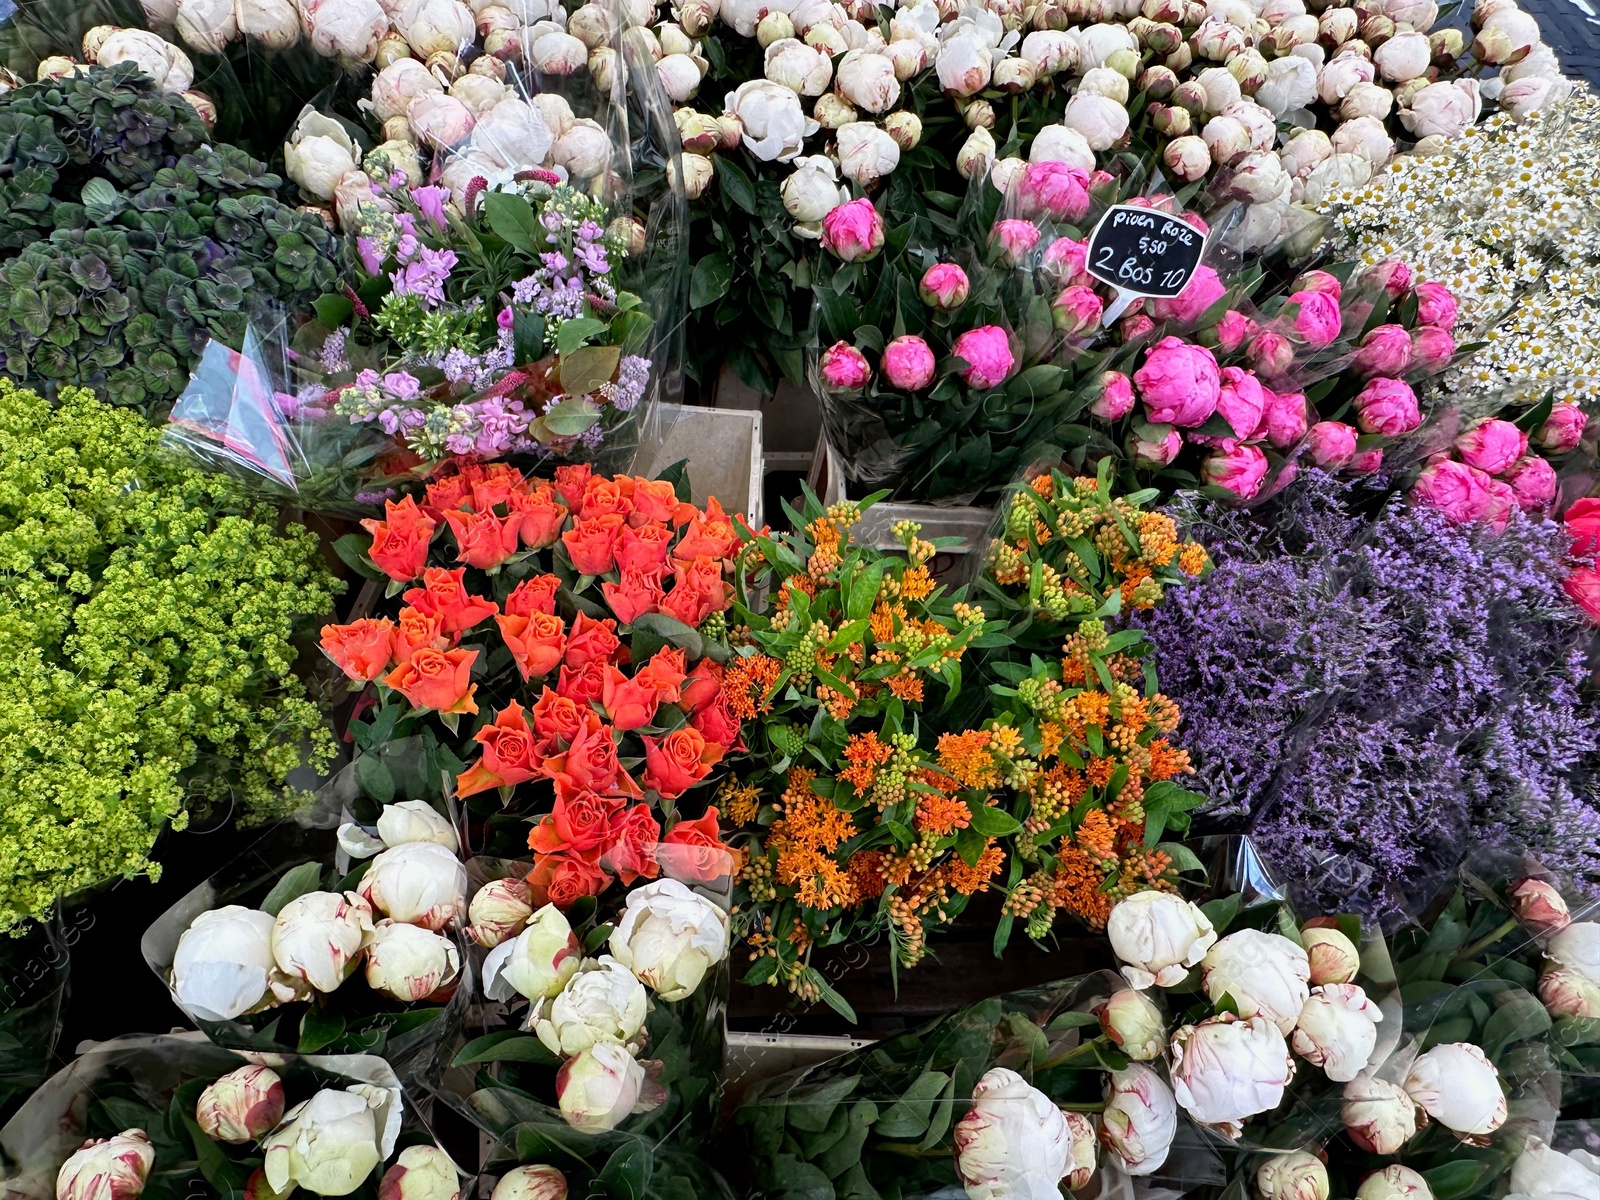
point(113, 1168)
point(1124, 63)
point(1250, 69)
point(1298, 1175)
point(204, 105)
point(1158, 937)
point(241, 1106)
point(774, 27)
point(1333, 957)
point(1539, 905)
point(1456, 1085)
point(944, 286)
point(1337, 1030)
point(1378, 1115)
point(420, 883)
point(1394, 1182)
point(1187, 157)
point(1130, 1018)
point(597, 1088)
point(1226, 1070)
point(420, 1173)
point(833, 111)
point(670, 937)
point(1013, 1140)
point(538, 962)
point(1140, 1119)
point(1569, 993)
point(318, 937)
point(603, 1002)
point(1446, 45)
point(1180, 59)
point(536, 1182)
point(976, 154)
point(409, 963)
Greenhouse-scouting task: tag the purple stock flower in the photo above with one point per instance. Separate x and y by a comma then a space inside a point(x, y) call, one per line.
point(431, 201)
point(371, 256)
point(426, 276)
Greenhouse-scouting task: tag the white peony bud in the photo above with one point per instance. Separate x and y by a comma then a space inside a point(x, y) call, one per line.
point(1140, 1119)
point(905, 127)
point(1226, 1069)
point(223, 967)
point(559, 54)
point(1298, 1175)
point(774, 27)
point(1187, 157)
point(113, 1168)
point(673, 39)
point(241, 1106)
point(1057, 143)
point(697, 172)
point(1017, 75)
point(830, 41)
point(1367, 100)
point(1259, 177)
point(516, 134)
point(439, 120)
point(1445, 109)
point(1378, 1115)
point(536, 1182)
point(1301, 155)
point(680, 76)
point(867, 80)
point(866, 153)
point(167, 65)
point(798, 67)
point(1102, 81)
point(1132, 1020)
point(1013, 1143)
point(592, 24)
point(1337, 1030)
point(1101, 120)
point(434, 26)
point(318, 937)
point(1158, 937)
point(1394, 1182)
point(207, 25)
point(410, 963)
point(479, 93)
point(964, 63)
point(1263, 129)
point(600, 1086)
point(392, 92)
point(1005, 172)
point(331, 1143)
point(537, 962)
point(1541, 1173)
point(1404, 56)
point(1220, 87)
point(812, 192)
point(1342, 73)
point(603, 1002)
point(1100, 41)
point(584, 150)
point(976, 154)
point(1458, 1087)
point(1336, 173)
point(1577, 947)
point(1367, 137)
point(419, 883)
point(348, 29)
point(421, 1173)
point(1569, 993)
point(499, 910)
point(1049, 51)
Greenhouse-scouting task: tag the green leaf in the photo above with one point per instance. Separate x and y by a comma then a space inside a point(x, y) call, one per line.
point(1519, 1017)
point(352, 551)
point(576, 332)
point(1455, 1179)
point(307, 877)
point(811, 1106)
point(334, 311)
point(512, 218)
point(317, 1028)
point(374, 777)
point(587, 367)
point(1221, 912)
point(736, 185)
point(99, 191)
point(1577, 1031)
point(907, 1117)
point(571, 417)
point(990, 821)
point(626, 1174)
point(508, 1045)
point(1073, 1020)
point(709, 281)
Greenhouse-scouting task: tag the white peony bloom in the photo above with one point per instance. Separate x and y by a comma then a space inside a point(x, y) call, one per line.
point(348, 29)
point(1340, 74)
point(1049, 51)
point(1404, 56)
point(669, 937)
point(964, 64)
point(410, 963)
point(1140, 1119)
point(1291, 83)
point(867, 79)
point(1300, 156)
point(420, 883)
point(1445, 109)
point(319, 937)
point(1337, 1030)
point(1058, 143)
point(1524, 97)
point(537, 962)
point(1367, 100)
point(513, 135)
point(1335, 173)
point(1101, 120)
point(866, 153)
point(1456, 1085)
point(1258, 121)
point(1013, 1143)
point(332, 1142)
point(1220, 87)
point(680, 76)
point(745, 15)
point(909, 57)
point(603, 1002)
point(812, 192)
point(775, 127)
point(1541, 1173)
point(224, 968)
point(167, 65)
point(559, 53)
point(1158, 937)
point(1226, 1069)
point(439, 120)
point(1259, 177)
point(431, 26)
point(798, 67)
point(1100, 41)
point(479, 93)
point(583, 150)
point(1367, 137)
point(208, 25)
point(393, 90)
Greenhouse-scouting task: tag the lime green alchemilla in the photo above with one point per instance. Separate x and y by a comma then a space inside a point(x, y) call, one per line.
point(147, 612)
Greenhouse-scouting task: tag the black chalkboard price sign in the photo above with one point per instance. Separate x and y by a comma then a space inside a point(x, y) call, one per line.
point(1144, 252)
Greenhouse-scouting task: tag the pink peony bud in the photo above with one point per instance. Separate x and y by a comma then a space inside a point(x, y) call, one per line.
point(1179, 383)
point(1569, 993)
point(1234, 330)
point(1054, 190)
point(1331, 444)
point(1333, 956)
point(1240, 470)
point(1241, 401)
point(1204, 289)
point(1539, 906)
point(853, 231)
point(1063, 262)
point(241, 1106)
point(1014, 240)
point(1387, 406)
point(1316, 317)
point(1131, 1019)
point(908, 363)
point(1455, 489)
point(944, 286)
point(1285, 419)
point(1133, 327)
point(1431, 349)
point(1534, 482)
point(987, 353)
point(1271, 354)
point(1153, 445)
point(844, 368)
point(1077, 310)
point(1563, 429)
point(1392, 275)
point(1501, 506)
point(1319, 281)
point(1493, 446)
point(1367, 462)
point(1436, 306)
point(1386, 350)
point(1115, 400)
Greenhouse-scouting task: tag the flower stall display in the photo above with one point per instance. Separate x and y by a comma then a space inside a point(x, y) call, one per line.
point(122, 255)
point(1371, 688)
point(320, 960)
point(152, 618)
point(172, 1116)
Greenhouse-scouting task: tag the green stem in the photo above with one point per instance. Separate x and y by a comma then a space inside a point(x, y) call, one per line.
point(912, 1150)
point(1487, 940)
point(1081, 1050)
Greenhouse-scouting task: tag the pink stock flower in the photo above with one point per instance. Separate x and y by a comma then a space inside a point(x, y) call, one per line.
point(1015, 240)
point(1331, 444)
point(1392, 275)
point(944, 286)
point(1431, 349)
point(1436, 306)
point(1583, 587)
point(1534, 482)
point(1115, 400)
point(1153, 445)
point(1241, 400)
point(844, 368)
point(1455, 489)
point(1285, 419)
point(1234, 330)
point(1367, 462)
point(1076, 310)
point(1054, 190)
point(908, 363)
point(987, 352)
point(1240, 470)
point(1492, 446)
point(853, 231)
point(1563, 429)
point(1179, 383)
point(1271, 354)
point(1387, 406)
point(1063, 261)
point(1386, 350)
point(1203, 290)
point(1316, 318)
point(1320, 281)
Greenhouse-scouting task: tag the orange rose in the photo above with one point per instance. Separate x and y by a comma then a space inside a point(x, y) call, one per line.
point(675, 763)
point(483, 540)
point(717, 723)
point(400, 541)
point(571, 480)
point(536, 642)
point(592, 640)
point(710, 534)
point(643, 547)
point(416, 630)
point(445, 595)
point(576, 826)
point(563, 881)
point(631, 837)
point(702, 685)
point(541, 516)
point(602, 496)
point(590, 763)
point(664, 672)
point(509, 754)
point(591, 544)
point(557, 719)
point(492, 484)
point(533, 595)
point(629, 703)
point(636, 593)
point(584, 684)
point(698, 592)
point(693, 853)
point(447, 494)
point(440, 680)
point(360, 649)
point(657, 500)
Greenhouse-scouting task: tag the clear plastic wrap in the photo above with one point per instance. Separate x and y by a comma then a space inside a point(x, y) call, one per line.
point(35, 968)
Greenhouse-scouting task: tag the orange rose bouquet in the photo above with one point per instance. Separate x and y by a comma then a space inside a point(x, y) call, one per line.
point(554, 659)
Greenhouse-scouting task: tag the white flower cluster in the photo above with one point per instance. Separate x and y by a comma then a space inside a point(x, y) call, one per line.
point(1507, 219)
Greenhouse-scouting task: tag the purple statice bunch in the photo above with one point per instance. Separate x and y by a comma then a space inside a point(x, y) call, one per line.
point(332, 355)
point(1371, 690)
point(633, 375)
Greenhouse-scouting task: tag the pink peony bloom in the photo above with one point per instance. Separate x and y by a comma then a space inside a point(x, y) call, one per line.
point(1493, 447)
point(1133, 327)
point(1063, 261)
point(1331, 444)
point(1501, 504)
point(853, 231)
point(1115, 400)
point(1455, 489)
point(1203, 290)
point(1015, 240)
point(1386, 350)
point(908, 363)
point(1392, 275)
point(1563, 429)
point(1316, 318)
point(987, 352)
point(1431, 349)
point(1583, 587)
point(1234, 330)
point(1534, 482)
point(1241, 400)
point(1387, 406)
point(1320, 281)
point(1054, 190)
point(1285, 420)
point(1436, 306)
point(1240, 470)
point(1366, 462)
point(844, 368)
point(1179, 383)
point(1153, 445)
point(944, 286)
point(1077, 310)
point(1271, 354)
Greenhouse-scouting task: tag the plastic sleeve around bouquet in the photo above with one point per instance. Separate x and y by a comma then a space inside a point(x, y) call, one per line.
point(34, 968)
point(151, 1083)
point(354, 1018)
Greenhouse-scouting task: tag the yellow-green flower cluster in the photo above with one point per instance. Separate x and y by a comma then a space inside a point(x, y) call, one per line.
point(147, 613)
